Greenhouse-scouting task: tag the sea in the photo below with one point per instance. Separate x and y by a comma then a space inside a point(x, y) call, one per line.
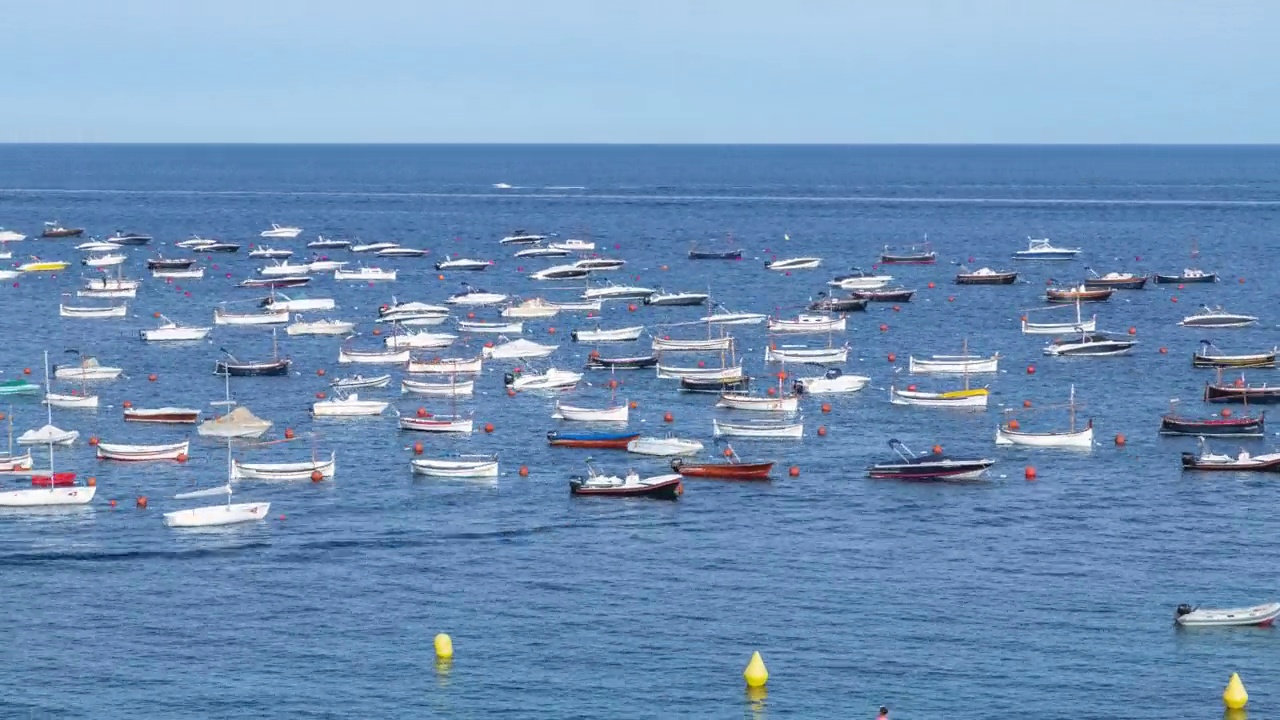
point(1005, 597)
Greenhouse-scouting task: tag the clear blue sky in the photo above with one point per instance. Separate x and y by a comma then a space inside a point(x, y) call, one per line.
point(1002, 71)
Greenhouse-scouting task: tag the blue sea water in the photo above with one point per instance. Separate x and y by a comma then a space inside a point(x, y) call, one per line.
point(1044, 599)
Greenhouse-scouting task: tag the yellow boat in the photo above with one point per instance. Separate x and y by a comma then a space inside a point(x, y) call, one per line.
point(963, 393)
point(44, 266)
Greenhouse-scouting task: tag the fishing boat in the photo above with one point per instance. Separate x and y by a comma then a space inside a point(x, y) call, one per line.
point(87, 369)
point(373, 247)
point(487, 326)
point(676, 299)
point(320, 327)
point(521, 237)
point(967, 398)
point(860, 280)
point(828, 304)
point(732, 469)
point(304, 470)
point(518, 349)
point(53, 229)
point(1189, 275)
point(476, 297)
point(267, 317)
point(266, 253)
point(610, 291)
point(807, 324)
point(661, 487)
point(1257, 616)
point(347, 406)
point(539, 251)
point(110, 311)
point(884, 295)
point(287, 232)
point(238, 368)
point(1090, 344)
point(613, 413)
point(812, 356)
point(1216, 317)
point(832, 381)
point(729, 254)
point(922, 254)
point(721, 315)
point(954, 364)
point(664, 447)
point(58, 489)
point(910, 466)
point(1042, 249)
point(1241, 462)
point(636, 362)
point(359, 382)
point(170, 331)
point(739, 401)
point(672, 372)
point(365, 274)
point(796, 263)
point(1077, 293)
point(448, 366)
point(459, 466)
point(986, 276)
point(1115, 280)
point(532, 309)
point(1227, 425)
point(599, 264)
point(1079, 326)
point(1239, 391)
point(452, 388)
point(668, 344)
point(238, 422)
point(552, 379)
point(758, 429)
point(216, 515)
point(594, 440)
point(717, 384)
point(189, 274)
point(143, 453)
point(626, 334)
point(162, 415)
point(438, 423)
point(323, 243)
point(1210, 357)
point(1010, 433)
point(348, 356)
point(401, 252)
point(420, 340)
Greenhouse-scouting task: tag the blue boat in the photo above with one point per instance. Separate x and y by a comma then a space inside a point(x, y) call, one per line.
point(608, 440)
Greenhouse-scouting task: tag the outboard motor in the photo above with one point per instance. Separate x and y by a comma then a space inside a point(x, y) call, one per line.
point(1183, 609)
point(574, 336)
point(1188, 460)
point(509, 378)
point(833, 373)
point(797, 387)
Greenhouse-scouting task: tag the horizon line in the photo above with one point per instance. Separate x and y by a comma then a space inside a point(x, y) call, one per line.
point(187, 143)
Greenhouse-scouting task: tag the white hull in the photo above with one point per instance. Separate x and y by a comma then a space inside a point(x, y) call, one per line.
point(15, 463)
point(87, 374)
point(447, 366)
point(59, 400)
point(367, 274)
point(476, 299)
point(351, 406)
point(175, 333)
point(944, 365)
point(616, 292)
point(619, 413)
point(438, 424)
point(110, 294)
point(140, 453)
point(512, 328)
point(420, 340)
point(390, 357)
point(456, 468)
point(668, 372)
point(1084, 326)
point(1081, 439)
point(794, 264)
point(359, 381)
point(714, 345)
point(283, 471)
point(869, 282)
point(1230, 617)
point(47, 497)
point(188, 274)
point(269, 317)
point(587, 306)
point(842, 384)
point(321, 327)
point(302, 304)
point(939, 400)
point(451, 389)
point(518, 350)
point(284, 269)
point(550, 380)
point(281, 231)
point(48, 435)
point(814, 356)
point(215, 515)
point(793, 431)
point(531, 310)
point(664, 447)
point(626, 334)
point(734, 319)
point(807, 324)
point(118, 311)
point(759, 404)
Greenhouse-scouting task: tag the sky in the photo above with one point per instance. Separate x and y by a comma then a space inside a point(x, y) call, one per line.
point(649, 71)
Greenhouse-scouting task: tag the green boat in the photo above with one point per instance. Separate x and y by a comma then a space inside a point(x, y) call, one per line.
point(18, 386)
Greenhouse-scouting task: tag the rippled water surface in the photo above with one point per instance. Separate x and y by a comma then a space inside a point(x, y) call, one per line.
point(1045, 599)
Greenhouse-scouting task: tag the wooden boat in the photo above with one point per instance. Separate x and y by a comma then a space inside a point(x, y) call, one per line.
point(73, 400)
point(734, 469)
point(1217, 426)
point(664, 447)
point(967, 398)
point(626, 334)
point(1189, 275)
point(884, 295)
point(111, 311)
point(163, 415)
point(661, 487)
point(922, 254)
point(596, 362)
point(446, 389)
point(460, 466)
point(731, 254)
point(420, 340)
point(1009, 433)
point(327, 328)
point(758, 430)
point(357, 382)
point(446, 366)
point(237, 368)
point(1210, 357)
point(1242, 462)
point(739, 401)
point(716, 384)
point(910, 466)
point(57, 492)
point(667, 344)
point(304, 470)
point(373, 357)
point(986, 276)
point(141, 453)
point(266, 317)
point(439, 423)
point(348, 406)
point(833, 381)
point(1216, 317)
point(812, 356)
point(595, 440)
point(1079, 326)
point(613, 413)
point(954, 364)
point(1258, 616)
point(807, 324)
point(54, 230)
point(105, 260)
point(1078, 293)
point(1239, 391)
point(1115, 280)
point(671, 372)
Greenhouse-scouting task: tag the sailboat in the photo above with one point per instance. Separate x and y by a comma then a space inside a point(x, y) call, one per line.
point(55, 493)
point(220, 514)
point(73, 400)
point(1009, 434)
point(10, 462)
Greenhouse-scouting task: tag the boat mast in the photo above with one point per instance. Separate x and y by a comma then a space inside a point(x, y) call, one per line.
point(1071, 407)
point(49, 411)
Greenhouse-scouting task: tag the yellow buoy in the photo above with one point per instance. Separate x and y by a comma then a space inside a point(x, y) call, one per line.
point(1235, 697)
point(757, 675)
point(444, 646)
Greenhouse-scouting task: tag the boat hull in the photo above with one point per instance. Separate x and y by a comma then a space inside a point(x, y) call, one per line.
point(1082, 439)
point(1214, 427)
point(456, 468)
point(1239, 394)
point(142, 453)
point(600, 441)
point(723, 471)
point(48, 497)
point(666, 489)
point(171, 416)
point(792, 431)
point(1257, 616)
point(215, 515)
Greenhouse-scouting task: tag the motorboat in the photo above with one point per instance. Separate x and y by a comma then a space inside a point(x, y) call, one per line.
point(399, 252)
point(284, 268)
point(594, 439)
point(626, 334)
point(572, 245)
point(164, 263)
point(475, 297)
point(586, 306)
point(280, 301)
point(1042, 249)
point(539, 251)
point(421, 339)
point(966, 398)
point(373, 247)
point(122, 293)
point(365, 274)
point(218, 247)
point(457, 263)
point(8, 236)
point(521, 237)
point(661, 487)
point(187, 274)
point(1216, 317)
point(1240, 391)
point(830, 304)
point(143, 453)
point(885, 294)
point(129, 238)
point(284, 281)
point(1090, 344)
point(796, 263)
point(266, 317)
point(986, 276)
point(721, 315)
point(81, 400)
point(732, 469)
point(48, 434)
point(408, 312)
point(664, 446)
point(668, 344)
point(599, 264)
point(1115, 280)
point(88, 313)
point(98, 246)
point(859, 280)
point(760, 429)
point(359, 382)
point(560, 272)
point(323, 265)
point(1241, 462)
point(193, 242)
point(459, 466)
point(287, 232)
point(518, 349)
point(807, 324)
point(304, 470)
point(170, 331)
point(910, 466)
point(552, 379)
point(812, 356)
point(38, 265)
point(1209, 356)
point(18, 386)
point(833, 381)
point(922, 254)
point(87, 369)
point(1259, 615)
point(488, 326)
point(53, 229)
point(633, 362)
point(106, 260)
point(323, 243)
point(348, 406)
point(617, 292)
point(1078, 293)
point(613, 413)
point(678, 299)
point(1189, 275)
point(533, 309)
point(162, 415)
point(1010, 433)
point(452, 388)
point(446, 366)
point(462, 424)
point(398, 356)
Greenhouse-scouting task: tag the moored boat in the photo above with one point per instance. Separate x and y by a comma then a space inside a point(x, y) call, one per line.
point(1210, 357)
point(1217, 317)
point(348, 356)
point(1010, 433)
point(1216, 426)
point(833, 381)
point(1090, 344)
point(1240, 391)
point(165, 415)
point(922, 254)
point(910, 466)
point(1218, 462)
point(734, 469)
point(459, 466)
point(796, 263)
point(1042, 249)
point(664, 446)
point(662, 487)
point(1189, 275)
point(967, 398)
point(597, 362)
point(761, 430)
point(596, 440)
point(1259, 615)
point(807, 324)
point(143, 453)
point(1077, 293)
point(884, 295)
point(1116, 280)
point(304, 470)
point(986, 276)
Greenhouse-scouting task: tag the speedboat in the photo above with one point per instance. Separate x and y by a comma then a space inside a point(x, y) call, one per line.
point(170, 331)
point(124, 238)
point(476, 297)
point(798, 263)
point(538, 251)
point(323, 243)
point(859, 280)
point(833, 381)
point(348, 406)
point(720, 315)
point(572, 245)
point(284, 268)
point(678, 299)
point(560, 272)
point(281, 231)
point(366, 274)
point(421, 340)
point(463, 264)
point(521, 237)
point(1217, 318)
point(318, 264)
point(98, 246)
point(599, 264)
point(219, 247)
point(412, 313)
point(1258, 615)
point(359, 382)
point(53, 229)
point(193, 242)
point(280, 301)
point(910, 466)
point(662, 487)
point(395, 252)
point(518, 349)
point(617, 292)
point(8, 236)
point(1042, 249)
point(1242, 462)
point(552, 379)
point(38, 265)
point(733, 469)
point(986, 276)
point(373, 247)
point(664, 447)
point(1094, 344)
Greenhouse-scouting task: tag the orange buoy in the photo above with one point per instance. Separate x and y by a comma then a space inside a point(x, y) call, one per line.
point(155, 314)
point(951, 298)
point(794, 471)
point(1026, 403)
point(702, 363)
point(631, 307)
point(897, 308)
point(668, 417)
point(1164, 350)
point(826, 407)
point(634, 404)
point(93, 441)
point(883, 327)
point(728, 452)
point(422, 412)
point(440, 277)
point(1173, 299)
point(1181, 286)
point(771, 392)
point(1120, 439)
point(471, 316)
point(91, 482)
point(937, 449)
point(613, 383)
point(26, 371)
point(1029, 473)
point(182, 457)
point(511, 393)
point(551, 331)
point(1238, 382)
point(316, 476)
point(931, 285)
point(1226, 412)
point(911, 388)
point(1241, 281)
point(1013, 424)
point(1031, 369)
point(782, 374)
point(822, 431)
point(417, 448)
point(488, 427)
point(893, 358)
point(288, 433)
point(662, 268)
point(1133, 330)
point(142, 502)
point(319, 396)
point(112, 503)
point(320, 372)
point(524, 471)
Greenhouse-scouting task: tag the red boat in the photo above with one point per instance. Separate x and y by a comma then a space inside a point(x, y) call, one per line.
point(732, 470)
point(183, 416)
point(605, 440)
point(60, 479)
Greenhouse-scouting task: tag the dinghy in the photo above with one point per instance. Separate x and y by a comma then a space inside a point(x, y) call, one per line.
point(812, 356)
point(285, 471)
point(163, 415)
point(170, 331)
point(142, 453)
point(356, 382)
point(452, 388)
point(626, 334)
point(88, 313)
point(518, 349)
point(678, 299)
point(485, 326)
point(267, 317)
point(833, 381)
point(1259, 615)
point(446, 366)
point(328, 328)
point(759, 430)
point(373, 357)
point(614, 413)
point(460, 466)
point(596, 440)
point(420, 340)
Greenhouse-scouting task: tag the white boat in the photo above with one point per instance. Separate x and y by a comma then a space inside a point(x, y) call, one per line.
point(373, 357)
point(398, 251)
point(419, 340)
point(475, 297)
point(195, 241)
point(281, 231)
point(664, 447)
point(463, 264)
point(239, 423)
point(807, 324)
point(773, 430)
point(799, 263)
point(953, 364)
point(613, 413)
point(266, 253)
point(460, 466)
point(859, 280)
point(9, 274)
point(356, 382)
point(560, 272)
point(518, 349)
point(323, 243)
point(265, 317)
point(967, 398)
point(485, 326)
point(1042, 249)
point(124, 293)
point(54, 494)
point(188, 274)
point(671, 372)
point(349, 406)
point(285, 471)
point(323, 266)
point(552, 379)
point(723, 316)
point(814, 356)
point(1010, 433)
point(11, 236)
point(402, 312)
point(216, 515)
point(576, 305)
point(49, 434)
point(111, 311)
point(1079, 326)
point(676, 299)
point(599, 264)
point(667, 344)
point(87, 369)
point(62, 400)
point(572, 245)
point(98, 246)
point(617, 292)
point(320, 327)
point(453, 388)
point(533, 309)
point(170, 331)
point(538, 251)
point(116, 283)
point(1208, 317)
point(739, 401)
point(1093, 344)
point(373, 247)
point(141, 453)
point(626, 334)
point(439, 423)
point(47, 497)
point(1260, 615)
point(10, 463)
point(833, 381)
point(284, 268)
point(446, 366)
point(107, 260)
point(520, 237)
point(370, 274)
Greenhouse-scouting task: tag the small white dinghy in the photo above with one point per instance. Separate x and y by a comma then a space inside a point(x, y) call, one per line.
point(349, 406)
point(667, 344)
point(88, 369)
point(446, 366)
point(626, 334)
point(488, 326)
point(761, 430)
point(616, 413)
point(113, 311)
point(63, 400)
point(813, 356)
point(740, 401)
point(369, 274)
point(420, 339)
point(664, 447)
point(143, 453)
point(798, 263)
point(1259, 615)
point(453, 388)
point(50, 434)
point(373, 357)
point(460, 466)
point(356, 382)
point(518, 349)
point(285, 471)
point(325, 327)
point(953, 364)
point(552, 379)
